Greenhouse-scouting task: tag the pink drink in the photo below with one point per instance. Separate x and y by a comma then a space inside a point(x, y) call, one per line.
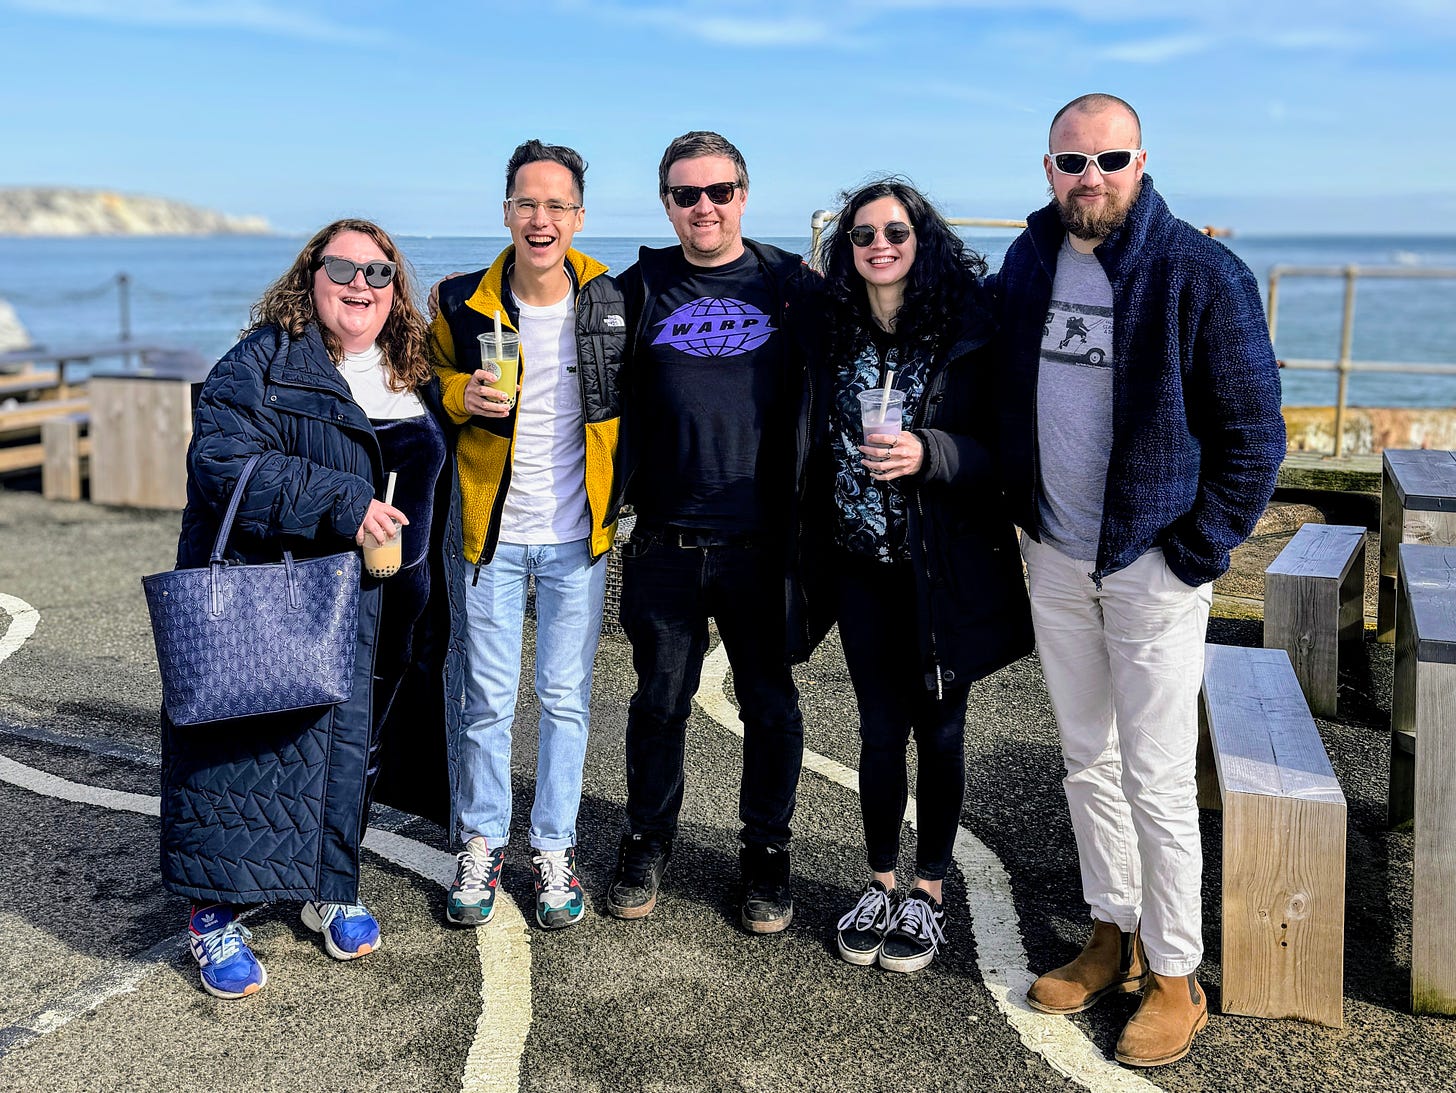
point(881, 412)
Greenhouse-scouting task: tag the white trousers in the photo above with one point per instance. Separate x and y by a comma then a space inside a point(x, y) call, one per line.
point(1123, 666)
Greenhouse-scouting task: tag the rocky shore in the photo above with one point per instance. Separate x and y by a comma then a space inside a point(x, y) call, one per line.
point(56, 211)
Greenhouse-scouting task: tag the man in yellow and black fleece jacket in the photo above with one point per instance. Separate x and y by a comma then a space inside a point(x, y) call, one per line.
point(538, 489)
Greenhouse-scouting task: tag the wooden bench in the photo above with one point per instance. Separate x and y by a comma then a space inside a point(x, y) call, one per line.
point(1417, 501)
point(28, 417)
point(1314, 607)
point(1284, 817)
point(58, 455)
point(1423, 764)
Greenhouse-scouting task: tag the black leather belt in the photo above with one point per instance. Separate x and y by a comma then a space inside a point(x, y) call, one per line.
point(692, 538)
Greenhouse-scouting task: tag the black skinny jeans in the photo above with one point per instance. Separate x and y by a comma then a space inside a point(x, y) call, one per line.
point(883, 656)
point(668, 594)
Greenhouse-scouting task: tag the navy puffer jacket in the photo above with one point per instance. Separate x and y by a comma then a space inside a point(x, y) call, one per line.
point(273, 807)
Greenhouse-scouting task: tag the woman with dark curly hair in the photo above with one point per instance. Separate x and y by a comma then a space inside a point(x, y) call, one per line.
point(927, 581)
point(331, 389)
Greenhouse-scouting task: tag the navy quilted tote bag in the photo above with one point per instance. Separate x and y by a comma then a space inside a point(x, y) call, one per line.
point(236, 640)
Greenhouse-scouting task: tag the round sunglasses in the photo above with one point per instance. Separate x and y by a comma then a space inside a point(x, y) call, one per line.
point(341, 271)
point(895, 232)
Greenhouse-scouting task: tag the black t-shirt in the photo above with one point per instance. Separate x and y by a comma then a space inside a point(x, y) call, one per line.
point(714, 405)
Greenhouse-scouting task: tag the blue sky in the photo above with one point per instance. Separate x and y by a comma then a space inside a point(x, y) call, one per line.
point(1268, 116)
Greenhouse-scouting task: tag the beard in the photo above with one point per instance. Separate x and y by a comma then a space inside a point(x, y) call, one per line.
point(1098, 223)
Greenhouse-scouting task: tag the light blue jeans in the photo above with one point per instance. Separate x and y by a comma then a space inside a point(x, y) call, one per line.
point(569, 593)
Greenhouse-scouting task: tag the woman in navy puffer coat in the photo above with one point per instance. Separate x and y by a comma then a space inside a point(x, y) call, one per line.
point(330, 386)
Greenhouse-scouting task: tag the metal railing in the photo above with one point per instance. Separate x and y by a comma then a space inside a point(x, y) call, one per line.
point(1344, 365)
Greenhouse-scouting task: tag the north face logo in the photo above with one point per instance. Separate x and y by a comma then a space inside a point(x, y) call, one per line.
point(614, 322)
point(707, 327)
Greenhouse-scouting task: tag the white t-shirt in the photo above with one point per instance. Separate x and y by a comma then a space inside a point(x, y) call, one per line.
point(546, 502)
point(364, 372)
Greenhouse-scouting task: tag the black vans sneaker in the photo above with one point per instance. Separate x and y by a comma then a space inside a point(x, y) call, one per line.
point(768, 906)
point(915, 935)
point(861, 931)
point(641, 861)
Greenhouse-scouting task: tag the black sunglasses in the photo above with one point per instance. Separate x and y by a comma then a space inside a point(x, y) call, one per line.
point(1109, 162)
point(896, 232)
point(719, 193)
point(341, 271)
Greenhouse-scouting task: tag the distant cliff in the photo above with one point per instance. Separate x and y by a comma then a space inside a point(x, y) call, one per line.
point(52, 211)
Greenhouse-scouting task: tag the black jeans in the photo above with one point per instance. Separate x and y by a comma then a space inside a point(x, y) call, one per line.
point(878, 628)
point(668, 594)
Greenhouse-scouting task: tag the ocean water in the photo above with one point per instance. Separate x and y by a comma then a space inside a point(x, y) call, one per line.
point(195, 293)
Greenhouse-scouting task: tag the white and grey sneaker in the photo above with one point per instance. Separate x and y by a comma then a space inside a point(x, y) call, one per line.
point(861, 931)
point(477, 874)
point(915, 934)
point(559, 900)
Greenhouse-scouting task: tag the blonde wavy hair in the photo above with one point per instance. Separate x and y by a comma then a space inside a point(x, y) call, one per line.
point(288, 303)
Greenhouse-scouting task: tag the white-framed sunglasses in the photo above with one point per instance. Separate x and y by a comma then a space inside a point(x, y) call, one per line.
point(1108, 162)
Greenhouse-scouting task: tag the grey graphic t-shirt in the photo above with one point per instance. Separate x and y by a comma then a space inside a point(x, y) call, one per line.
point(1074, 404)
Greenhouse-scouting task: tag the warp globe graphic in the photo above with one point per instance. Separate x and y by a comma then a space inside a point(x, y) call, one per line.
point(708, 327)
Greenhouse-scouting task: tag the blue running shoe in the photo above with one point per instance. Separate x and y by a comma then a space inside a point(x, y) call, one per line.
point(219, 944)
point(349, 929)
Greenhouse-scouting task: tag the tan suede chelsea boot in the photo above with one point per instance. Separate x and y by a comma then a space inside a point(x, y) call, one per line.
point(1173, 1011)
point(1112, 962)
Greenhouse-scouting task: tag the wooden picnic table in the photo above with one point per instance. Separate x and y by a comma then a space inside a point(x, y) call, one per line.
point(1417, 500)
point(66, 356)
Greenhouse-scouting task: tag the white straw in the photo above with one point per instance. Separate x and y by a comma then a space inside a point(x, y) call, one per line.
point(389, 488)
point(885, 394)
point(498, 352)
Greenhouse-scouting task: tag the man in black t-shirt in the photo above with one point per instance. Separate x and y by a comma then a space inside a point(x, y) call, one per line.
point(714, 414)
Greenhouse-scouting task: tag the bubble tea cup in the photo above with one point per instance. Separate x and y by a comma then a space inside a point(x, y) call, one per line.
point(504, 359)
point(383, 559)
point(881, 412)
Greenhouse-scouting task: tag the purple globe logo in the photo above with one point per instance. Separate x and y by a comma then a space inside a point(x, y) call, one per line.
point(707, 327)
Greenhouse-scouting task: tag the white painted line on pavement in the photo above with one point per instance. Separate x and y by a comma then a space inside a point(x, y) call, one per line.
point(48, 785)
point(494, 1061)
point(23, 621)
point(999, 953)
point(504, 951)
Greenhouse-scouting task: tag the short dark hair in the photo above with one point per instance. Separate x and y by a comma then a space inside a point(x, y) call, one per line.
point(695, 145)
point(533, 151)
point(1091, 104)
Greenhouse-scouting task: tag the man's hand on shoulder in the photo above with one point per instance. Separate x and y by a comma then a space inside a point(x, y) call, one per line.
point(434, 300)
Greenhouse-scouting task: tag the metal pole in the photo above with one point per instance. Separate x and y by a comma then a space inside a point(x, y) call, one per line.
point(123, 298)
point(1347, 330)
point(816, 230)
point(1273, 303)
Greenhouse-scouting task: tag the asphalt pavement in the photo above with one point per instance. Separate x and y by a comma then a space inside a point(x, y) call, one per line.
point(97, 991)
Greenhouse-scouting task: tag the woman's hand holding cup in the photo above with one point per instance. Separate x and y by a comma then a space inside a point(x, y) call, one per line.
point(381, 521)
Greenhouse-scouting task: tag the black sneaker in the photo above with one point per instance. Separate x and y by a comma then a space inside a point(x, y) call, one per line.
point(767, 905)
point(915, 934)
point(862, 929)
point(641, 861)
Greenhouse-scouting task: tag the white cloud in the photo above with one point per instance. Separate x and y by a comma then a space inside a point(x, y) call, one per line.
point(1154, 51)
point(260, 18)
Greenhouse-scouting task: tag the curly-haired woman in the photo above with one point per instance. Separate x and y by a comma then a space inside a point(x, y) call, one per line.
point(928, 590)
point(331, 388)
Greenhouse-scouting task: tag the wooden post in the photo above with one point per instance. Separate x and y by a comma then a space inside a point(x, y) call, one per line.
point(1423, 703)
point(1284, 820)
point(1314, 606)
point(60, 474)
